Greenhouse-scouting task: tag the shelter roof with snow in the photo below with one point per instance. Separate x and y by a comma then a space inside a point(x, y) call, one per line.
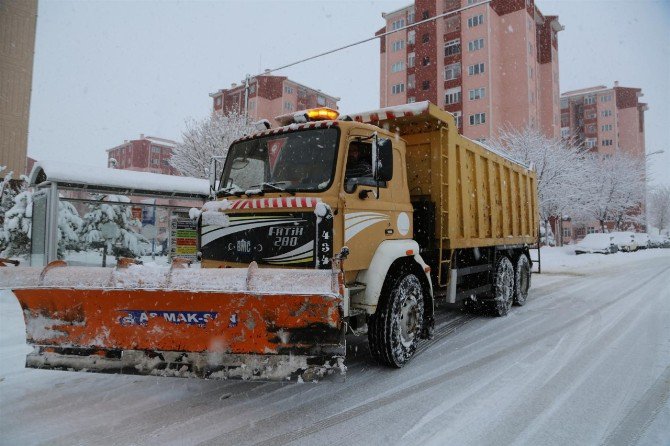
point(125, 182)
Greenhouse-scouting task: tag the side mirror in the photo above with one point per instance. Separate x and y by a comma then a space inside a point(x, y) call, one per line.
point(383, 163)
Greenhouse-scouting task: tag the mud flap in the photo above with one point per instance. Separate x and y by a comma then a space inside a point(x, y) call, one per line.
point(232, 323)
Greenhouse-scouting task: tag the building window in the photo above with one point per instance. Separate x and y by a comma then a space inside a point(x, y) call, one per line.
point(591, 128)
point(398, 88)
point(398, 24)
point(155, 149)
point(606, 98)
point(530, 48)
point(165, 163)
point(425, 85)
point(217, 101)
point(475, 20)
point(154, 161)
point(411, 37)
point(410, 60)
point(452, 47)
point(591, 115)
point(411, 99)
point(606, 113)
point(410, 16)
point(458, 116)
point(425, 15)
point(410, 81)
point(320, 100)
point(590, 143)
point(606, 127)
point(425, 38)
point(452, 71)
point(567, 232)
point(565, 132)
point(288, 89)
point(591, 230)
point(478, 118)
point(477, 93)
point(607, 142)
point(477, 68)
point(397, 67)
point(426, 61)
point(588, 100)
point(288, 106)
point(397, 45)
point(476, 44)
point(452, 96)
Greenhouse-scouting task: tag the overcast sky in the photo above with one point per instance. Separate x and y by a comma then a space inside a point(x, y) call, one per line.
point(108, 71)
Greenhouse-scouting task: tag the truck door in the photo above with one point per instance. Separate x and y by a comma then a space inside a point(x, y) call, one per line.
point(367, 219)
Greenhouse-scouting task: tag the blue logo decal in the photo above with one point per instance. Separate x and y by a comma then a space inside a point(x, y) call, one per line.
point(141, 317)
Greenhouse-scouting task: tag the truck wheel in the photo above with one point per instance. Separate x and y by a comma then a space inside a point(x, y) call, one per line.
point(503, 287)
point(395, 328)
point(521, 280)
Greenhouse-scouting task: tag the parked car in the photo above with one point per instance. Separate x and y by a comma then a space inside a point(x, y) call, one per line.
point(642, 240)
point(596, 243)
point(659, 241)
point(625, 241)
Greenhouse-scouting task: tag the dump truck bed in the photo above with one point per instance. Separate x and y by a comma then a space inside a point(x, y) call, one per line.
point(480, 197)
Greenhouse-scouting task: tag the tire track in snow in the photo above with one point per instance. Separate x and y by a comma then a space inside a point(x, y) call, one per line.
point(567, 380)
point(638, 419)
point(439, 379)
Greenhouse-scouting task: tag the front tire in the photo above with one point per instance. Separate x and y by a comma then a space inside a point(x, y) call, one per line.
point(395, 328)
point(521, 280)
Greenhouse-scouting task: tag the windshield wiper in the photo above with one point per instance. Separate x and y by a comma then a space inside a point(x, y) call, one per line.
point(273, 186)
point(230, 190)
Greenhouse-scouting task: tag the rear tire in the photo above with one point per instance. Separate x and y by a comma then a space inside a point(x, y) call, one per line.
point(521, 280)
point(503, 287)
point(395, 328)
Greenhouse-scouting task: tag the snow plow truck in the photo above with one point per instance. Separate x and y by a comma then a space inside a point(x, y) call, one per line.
point(326, 226)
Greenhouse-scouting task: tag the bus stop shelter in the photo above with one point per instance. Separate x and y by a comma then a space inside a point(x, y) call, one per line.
point(57, 180)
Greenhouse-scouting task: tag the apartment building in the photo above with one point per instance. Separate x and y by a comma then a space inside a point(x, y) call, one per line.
point(17, 48)
point(492, 65)
point(146, 154)
point(271, 96)
point(605, 119)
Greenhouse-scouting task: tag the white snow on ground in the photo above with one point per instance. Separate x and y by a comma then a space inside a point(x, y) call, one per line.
point(585, 361)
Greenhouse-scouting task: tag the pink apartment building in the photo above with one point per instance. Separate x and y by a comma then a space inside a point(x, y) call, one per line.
point(146, 154)
point(605, 119)
point(491, 65)
point(271, 96)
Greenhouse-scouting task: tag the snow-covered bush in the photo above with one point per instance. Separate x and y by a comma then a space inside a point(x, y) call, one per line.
point(206, 138)
point(126, 242)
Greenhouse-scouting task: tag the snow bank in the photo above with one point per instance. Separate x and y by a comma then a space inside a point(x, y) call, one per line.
point(564, 260)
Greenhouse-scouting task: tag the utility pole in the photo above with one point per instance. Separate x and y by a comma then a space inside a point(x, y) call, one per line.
point(246, 99)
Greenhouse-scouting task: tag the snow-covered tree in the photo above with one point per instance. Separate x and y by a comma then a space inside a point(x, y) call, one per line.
point(658, 206)
point(557, 163)
point(126, 242)
point(206, 138)
point(16, 226)
point(615, 185)
point(69, 224)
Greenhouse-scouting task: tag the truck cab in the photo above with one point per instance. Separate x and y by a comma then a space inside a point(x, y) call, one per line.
point(294, 196)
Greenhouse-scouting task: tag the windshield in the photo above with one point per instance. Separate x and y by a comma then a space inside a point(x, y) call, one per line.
point(296, 161)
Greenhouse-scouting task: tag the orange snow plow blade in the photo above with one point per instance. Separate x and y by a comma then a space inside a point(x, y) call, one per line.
point(211, 323)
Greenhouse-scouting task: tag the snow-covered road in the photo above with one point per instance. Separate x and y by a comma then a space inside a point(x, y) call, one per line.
point(586, 361)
